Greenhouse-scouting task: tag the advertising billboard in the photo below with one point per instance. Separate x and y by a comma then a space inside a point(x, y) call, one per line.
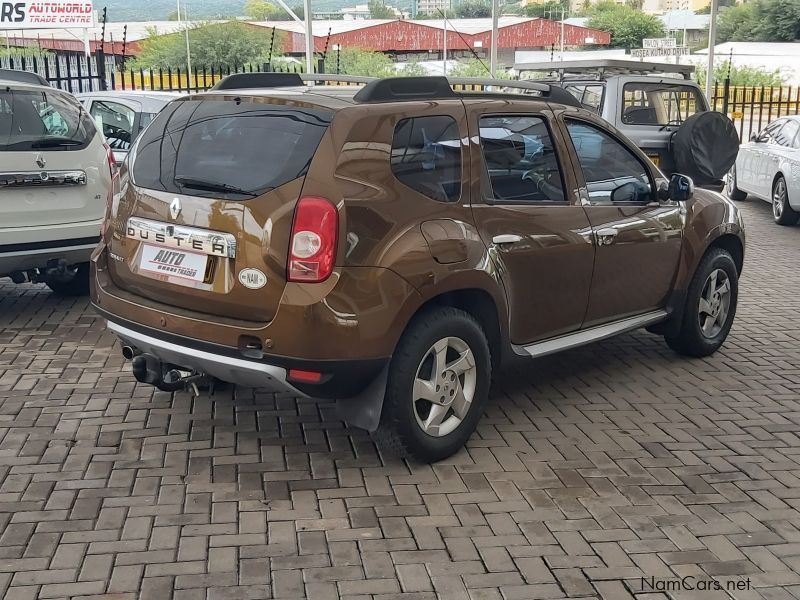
point(39, 14)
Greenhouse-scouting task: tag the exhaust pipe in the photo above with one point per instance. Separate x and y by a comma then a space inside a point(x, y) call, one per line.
point(130, 352)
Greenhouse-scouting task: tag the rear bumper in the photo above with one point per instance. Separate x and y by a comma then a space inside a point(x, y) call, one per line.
point(243, 372)
point(340, 379)
point(36, 255)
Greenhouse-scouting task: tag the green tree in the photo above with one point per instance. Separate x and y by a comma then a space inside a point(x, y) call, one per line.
point(548, 10)
point(261, 10)
point(627, 26)
point(357, 61)
point(379, 10)
point(473, 9)
point(760, 21)
point(473, 68)
point(412, 69)
point(212, 46)
point(744, 75)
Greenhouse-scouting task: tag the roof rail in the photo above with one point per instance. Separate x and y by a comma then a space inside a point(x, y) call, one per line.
point(242, 81)
point(393, 89)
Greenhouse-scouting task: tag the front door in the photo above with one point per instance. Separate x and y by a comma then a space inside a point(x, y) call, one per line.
point(638, 239)
point(537, 233)
point(118, 124)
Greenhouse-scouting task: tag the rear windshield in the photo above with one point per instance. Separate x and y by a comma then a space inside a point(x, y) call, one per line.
point(33, 120)
point(227, 149)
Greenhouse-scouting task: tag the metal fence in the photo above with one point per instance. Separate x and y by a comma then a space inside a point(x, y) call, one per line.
point(752, 107)
point(73, 72)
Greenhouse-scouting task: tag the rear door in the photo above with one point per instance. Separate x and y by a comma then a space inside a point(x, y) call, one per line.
point(638, 238)
point(205, 220)
point(118, 120)
point(531, 220)
point(53, 166)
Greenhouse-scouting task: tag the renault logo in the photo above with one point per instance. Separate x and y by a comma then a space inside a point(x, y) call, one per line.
point(175, 208)
point(40, 160)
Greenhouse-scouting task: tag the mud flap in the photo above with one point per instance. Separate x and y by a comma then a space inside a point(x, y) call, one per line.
point(364, 409)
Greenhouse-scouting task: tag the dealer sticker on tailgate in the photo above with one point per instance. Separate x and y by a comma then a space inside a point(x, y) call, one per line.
point(173, 263)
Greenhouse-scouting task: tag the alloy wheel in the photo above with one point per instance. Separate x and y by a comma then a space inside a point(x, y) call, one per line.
point(444, 386)
point(778, 198)
point(715, 303)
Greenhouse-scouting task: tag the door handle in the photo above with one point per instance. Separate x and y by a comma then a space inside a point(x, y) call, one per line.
point(506, 238)
point(605, 236)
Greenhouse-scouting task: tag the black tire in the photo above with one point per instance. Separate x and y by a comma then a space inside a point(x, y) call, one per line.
point(399, 432)
point(75, 285)
point(781, 211)
point(691, 340)
point(733, 192)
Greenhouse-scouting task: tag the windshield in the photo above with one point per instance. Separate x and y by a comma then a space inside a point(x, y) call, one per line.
point(228, 149)
point(659, 103)
point(32, 120)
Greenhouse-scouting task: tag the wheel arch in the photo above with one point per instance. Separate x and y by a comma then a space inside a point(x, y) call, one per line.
point(480, 304)
point(732, 245)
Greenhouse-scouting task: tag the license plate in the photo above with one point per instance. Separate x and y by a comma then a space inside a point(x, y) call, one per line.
point(173, 263)
point(655, 158)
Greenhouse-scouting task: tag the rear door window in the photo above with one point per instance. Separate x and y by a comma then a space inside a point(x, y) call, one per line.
point(34, 120)
point(426, 156)
point(116, 121)
point(659, 103)
point(590, 95)
point(787, 134)
point(521, 163)
point(225, 149)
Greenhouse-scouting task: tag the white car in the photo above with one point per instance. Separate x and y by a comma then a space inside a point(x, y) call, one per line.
point(123, 115)
point(56, 175)
point(768, 167)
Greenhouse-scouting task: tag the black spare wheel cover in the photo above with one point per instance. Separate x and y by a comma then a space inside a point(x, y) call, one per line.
point(705, 146)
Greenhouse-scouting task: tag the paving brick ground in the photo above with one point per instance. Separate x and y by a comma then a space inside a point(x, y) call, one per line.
point(591, 470)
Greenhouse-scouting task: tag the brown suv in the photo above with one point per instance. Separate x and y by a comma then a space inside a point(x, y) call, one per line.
point(386, 246)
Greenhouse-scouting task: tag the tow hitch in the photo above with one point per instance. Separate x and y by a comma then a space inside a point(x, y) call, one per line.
point(168, 378)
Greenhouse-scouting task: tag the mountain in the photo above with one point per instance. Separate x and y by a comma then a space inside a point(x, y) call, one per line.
point(159, 10)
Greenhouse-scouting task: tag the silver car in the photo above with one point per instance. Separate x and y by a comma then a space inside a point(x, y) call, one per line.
point(768, 167)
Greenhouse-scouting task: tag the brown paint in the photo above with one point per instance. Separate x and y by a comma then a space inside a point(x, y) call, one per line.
point(399, 249)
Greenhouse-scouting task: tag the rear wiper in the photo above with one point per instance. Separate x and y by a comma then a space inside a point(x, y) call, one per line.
point(212, 186)
point(56, 143)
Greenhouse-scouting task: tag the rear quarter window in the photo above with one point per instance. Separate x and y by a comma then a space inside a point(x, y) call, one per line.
point(42, 120)
point(248, 147)
point(426, 156)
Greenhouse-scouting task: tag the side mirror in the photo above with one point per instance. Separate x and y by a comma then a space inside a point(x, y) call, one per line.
point(681, 188)
point(627, 192)
point(753, 137)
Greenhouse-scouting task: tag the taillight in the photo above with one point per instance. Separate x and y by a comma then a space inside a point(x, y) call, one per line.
point(112, 161)
point(312, 249)
point(112, 165)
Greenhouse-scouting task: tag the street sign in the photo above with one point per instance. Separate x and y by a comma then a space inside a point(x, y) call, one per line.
point(659, 43)
point(38, 14)
point(650, 52)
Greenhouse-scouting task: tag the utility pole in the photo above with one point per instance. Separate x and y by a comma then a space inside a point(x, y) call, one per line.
point(493, 49)
point(444, 45)
point(309, 38)
point(712, 41)
point(186, 33)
